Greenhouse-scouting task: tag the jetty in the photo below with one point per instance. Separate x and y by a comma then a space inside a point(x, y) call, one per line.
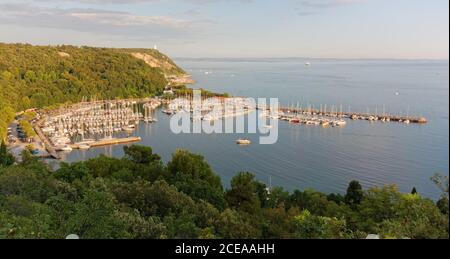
point(108, 142)
point(48, 146)
point(352, 115)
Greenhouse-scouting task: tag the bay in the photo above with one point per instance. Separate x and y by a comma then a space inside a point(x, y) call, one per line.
point(323, 159)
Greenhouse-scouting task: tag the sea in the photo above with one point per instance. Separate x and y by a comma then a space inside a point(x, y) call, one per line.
point(311, 157)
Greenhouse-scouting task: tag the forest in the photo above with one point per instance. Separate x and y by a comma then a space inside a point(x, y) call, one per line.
point(42, 76)
point(141, 197)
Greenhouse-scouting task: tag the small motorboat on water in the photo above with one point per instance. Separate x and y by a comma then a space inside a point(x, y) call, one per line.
point(354, 117)
point(339, 123)
point(168, 111)
point(84, 147)
point(295, 120)
point(243, 142)
point(129, 128)
point(65, 148)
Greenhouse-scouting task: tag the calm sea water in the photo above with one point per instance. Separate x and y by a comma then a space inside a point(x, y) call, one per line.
point(324, 159)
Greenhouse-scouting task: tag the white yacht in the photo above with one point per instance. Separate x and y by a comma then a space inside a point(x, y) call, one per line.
point(243, 142)
point(65, 148)
point(84, 147)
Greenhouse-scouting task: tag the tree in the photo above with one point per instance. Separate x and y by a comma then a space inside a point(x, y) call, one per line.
point(377, 206)
point(442, 204)
point(27, 157)
point(276, 197)
point(442, 183)
point(278, 222)
point(158, 198)
point(95, 217)
point(104, 166)
point(337, 198)
point(182, 226)
point(308, 226)
point(191, 174)
point(70, 173)
point(415, 218)
point(315, 202)
point(233, 225)
point(141, 154)
point(243, 195)
point(354, 194)
point(6, 159)
point(139, 227)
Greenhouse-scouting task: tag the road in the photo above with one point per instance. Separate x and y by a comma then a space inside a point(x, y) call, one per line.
point(16, 148)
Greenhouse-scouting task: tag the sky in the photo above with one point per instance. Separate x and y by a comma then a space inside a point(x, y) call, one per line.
point(401, 29)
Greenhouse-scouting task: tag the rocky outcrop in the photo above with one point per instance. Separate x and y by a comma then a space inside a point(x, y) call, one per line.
point(173, 73)
point(154, 62)
point(180, 80)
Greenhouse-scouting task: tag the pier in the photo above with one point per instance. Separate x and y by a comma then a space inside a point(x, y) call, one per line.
point(108, 142)
point(48, 146)
point(353, 115)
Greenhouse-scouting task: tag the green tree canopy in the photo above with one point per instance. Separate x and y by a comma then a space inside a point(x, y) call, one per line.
point(6, 159)
point(191, 174)
point(139, 197)
point(354, 194)
point(243, 195)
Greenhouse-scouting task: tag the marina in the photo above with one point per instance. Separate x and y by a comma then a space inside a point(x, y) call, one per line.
point(97, 123)
point(93, 124)
point(333, 117)
point(211, 109)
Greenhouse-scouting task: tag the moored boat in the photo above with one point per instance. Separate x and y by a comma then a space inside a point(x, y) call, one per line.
point(65, 148)
point(243, 142)
point(84, 147)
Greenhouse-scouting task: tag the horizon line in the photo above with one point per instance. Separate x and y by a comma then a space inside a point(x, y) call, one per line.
point(316, 58)
point(235, 58)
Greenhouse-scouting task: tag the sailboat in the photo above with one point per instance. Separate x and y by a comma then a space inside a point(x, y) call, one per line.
point(269, 188)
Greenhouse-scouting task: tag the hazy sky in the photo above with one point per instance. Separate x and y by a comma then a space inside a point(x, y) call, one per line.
point(237, 28)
